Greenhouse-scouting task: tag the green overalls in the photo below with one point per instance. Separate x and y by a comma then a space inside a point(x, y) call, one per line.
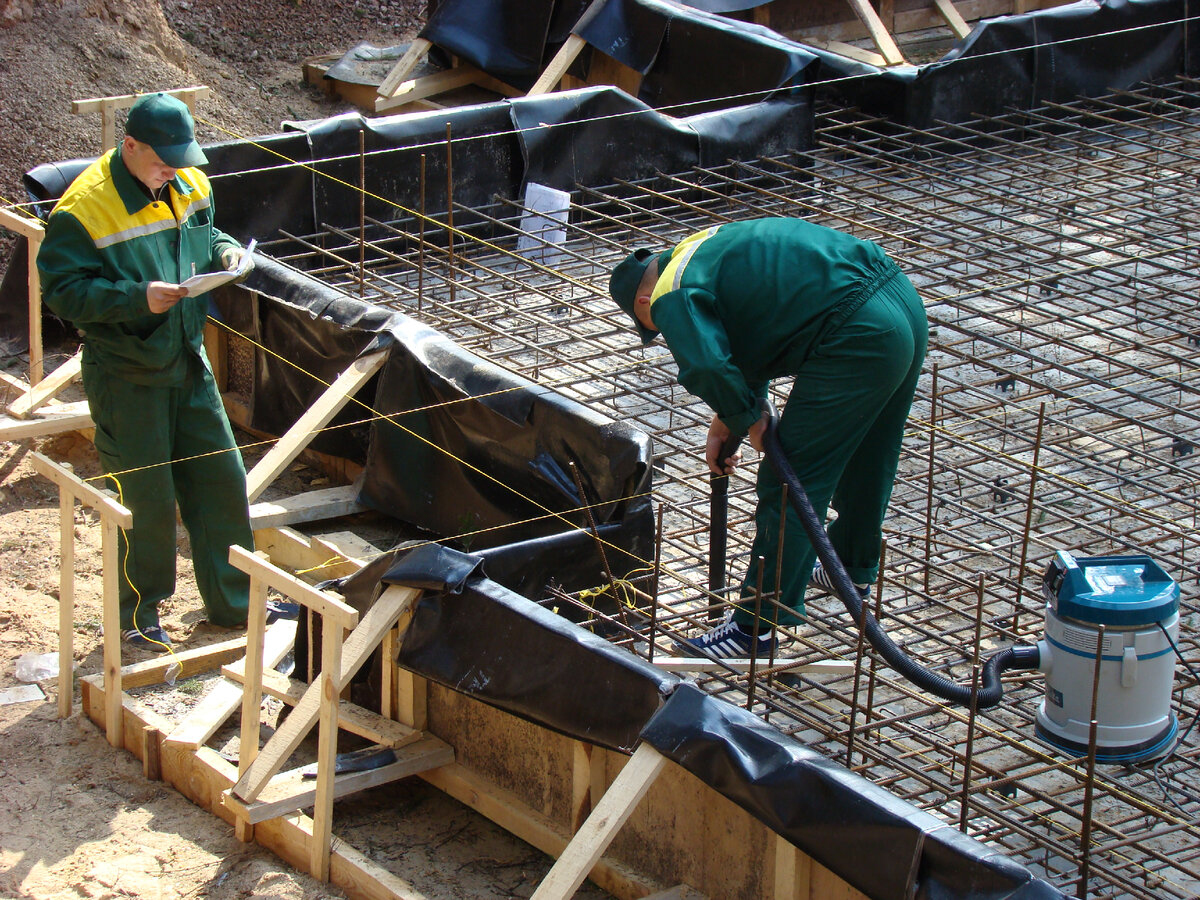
point(746, 302)
point(161, 431)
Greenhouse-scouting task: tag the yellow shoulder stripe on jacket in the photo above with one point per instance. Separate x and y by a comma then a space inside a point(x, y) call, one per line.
point(670, 277)
point(105, 218)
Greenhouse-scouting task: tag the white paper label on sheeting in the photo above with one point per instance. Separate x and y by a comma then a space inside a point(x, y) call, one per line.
point(544, 223)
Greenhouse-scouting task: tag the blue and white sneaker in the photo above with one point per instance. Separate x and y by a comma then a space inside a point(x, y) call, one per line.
point(151, 638)
point(728, 641)
point(820, 579)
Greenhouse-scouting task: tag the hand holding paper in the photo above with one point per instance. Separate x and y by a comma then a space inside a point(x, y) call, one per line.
point(237, 262)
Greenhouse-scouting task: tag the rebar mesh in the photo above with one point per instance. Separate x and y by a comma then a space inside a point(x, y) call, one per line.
point(1057, 253)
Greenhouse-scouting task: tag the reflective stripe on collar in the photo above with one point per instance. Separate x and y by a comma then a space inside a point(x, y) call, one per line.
point(670, 277)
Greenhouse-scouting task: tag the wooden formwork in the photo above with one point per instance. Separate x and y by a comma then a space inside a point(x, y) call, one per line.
point(638, 826)
point(829, 24)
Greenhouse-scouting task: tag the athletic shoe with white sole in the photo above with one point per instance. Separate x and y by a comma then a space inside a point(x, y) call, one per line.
point(728, 641)
point(820, 579)
point(151, 638)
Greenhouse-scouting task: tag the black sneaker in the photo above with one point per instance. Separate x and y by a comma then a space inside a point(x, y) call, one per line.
point(152, 638)
point(820, 579)
point(728, 641)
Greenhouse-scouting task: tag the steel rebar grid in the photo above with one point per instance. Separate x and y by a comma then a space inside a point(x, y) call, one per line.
point(1057, 256)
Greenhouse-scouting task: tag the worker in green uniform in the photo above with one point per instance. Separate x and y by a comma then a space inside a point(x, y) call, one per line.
point(746, 302)
point(130, 228)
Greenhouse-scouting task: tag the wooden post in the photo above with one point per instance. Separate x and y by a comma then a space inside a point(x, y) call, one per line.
point(612, 812)
point(113, 516)
point(108, 106)
point(33, 232)
point(66, 601)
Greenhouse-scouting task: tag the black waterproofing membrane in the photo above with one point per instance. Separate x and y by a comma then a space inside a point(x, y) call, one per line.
point(476, 637)
point(885, 847)
point(1020, 61)
point(452, 445)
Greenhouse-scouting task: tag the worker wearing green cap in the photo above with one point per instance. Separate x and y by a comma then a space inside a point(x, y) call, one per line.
point(744, 303)
point(130, 228)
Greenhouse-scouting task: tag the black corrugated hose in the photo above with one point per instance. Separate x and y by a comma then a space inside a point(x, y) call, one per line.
point(1018, 657)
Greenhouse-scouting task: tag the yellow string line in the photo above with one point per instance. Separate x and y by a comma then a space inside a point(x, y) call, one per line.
point(587, 287)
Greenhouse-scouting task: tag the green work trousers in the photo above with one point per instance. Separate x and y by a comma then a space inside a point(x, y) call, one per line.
point(841, 430)
point(163, 444)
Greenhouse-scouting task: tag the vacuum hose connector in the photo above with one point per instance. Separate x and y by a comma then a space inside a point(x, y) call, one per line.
point(990, 690)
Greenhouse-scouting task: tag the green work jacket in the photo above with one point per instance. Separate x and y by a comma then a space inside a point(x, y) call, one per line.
point(105, 241)
point(741, 303)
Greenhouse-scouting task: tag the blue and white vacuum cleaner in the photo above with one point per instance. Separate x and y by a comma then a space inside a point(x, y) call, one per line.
point(1138, 605)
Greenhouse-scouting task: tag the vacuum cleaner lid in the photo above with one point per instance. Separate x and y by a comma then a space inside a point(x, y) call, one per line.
point(1125, 591)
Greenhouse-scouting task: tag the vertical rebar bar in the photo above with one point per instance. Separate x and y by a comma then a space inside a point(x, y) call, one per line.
point(362, 211)
point(450, 212)
point(964, 806)
point(1089, 787)
point(1033, 479)
point(933, 398)
point(421, 235)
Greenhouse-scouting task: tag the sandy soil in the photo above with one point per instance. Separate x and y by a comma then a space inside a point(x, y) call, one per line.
point(78, 819)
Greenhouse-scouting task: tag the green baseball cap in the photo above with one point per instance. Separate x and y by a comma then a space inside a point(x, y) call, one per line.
point(623, 285)
point(165, 123)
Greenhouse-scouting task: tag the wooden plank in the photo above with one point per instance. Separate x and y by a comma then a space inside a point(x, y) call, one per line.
point(55, 419)
point(362, 641)
point(310, 506)
point(953, 18)
point(26, 226)
point(291, 791)
point(314, 419)
point(252, 687)
point(879, 34)
point(849, 51)
point(192, 662)
point(66, 602)
point(111, 618)
point(603, 69)
point(223, 700)
point(188, 95)
point(328, 604)
point(41, 394)
point(33, 232)
point(678, 892)
point(782, 666)
point(429, 86)
point(351, 717)
point(531, 826)
point(610, 814)
point(401, 70)
point(107, 506)
point(791, 873)
point(566, 55)
point(327, 725)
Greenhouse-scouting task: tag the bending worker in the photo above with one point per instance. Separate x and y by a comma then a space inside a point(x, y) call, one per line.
point(745, 302)
point(129, 229)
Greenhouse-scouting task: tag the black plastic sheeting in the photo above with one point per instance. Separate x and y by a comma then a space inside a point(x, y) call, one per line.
point(1020, 61)
point(885, 847)
point(453, 445)
point(514, 48)
point(692, 60)
point(475, 636)
point(508, 474)
point(596, 136)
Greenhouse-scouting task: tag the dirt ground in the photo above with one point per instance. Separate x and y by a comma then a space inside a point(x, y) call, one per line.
point(78, 819)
